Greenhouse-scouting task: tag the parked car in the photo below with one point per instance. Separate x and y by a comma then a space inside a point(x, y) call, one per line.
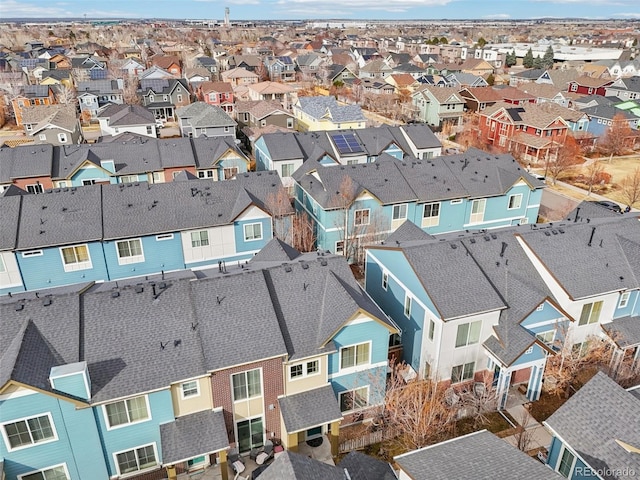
point(610, 205)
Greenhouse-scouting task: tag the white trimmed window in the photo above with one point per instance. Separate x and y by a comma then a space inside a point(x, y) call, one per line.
point(385, 280)
point(62, 137)
point(136, 459)
point(468, 334)
point(129, 251)
point(340, 247)
point(230, 172)
point(128, 178)
point(399, 212)
point(566, 462)
point(287, 169)
point(205, 173)
point(432, 329)
point(354, 399)
point(28, 431)
point(200, 239)
point(75, 258)
point(252, 231)
point(57, 472)
point(407, 306)
point(190, 389)
point(127, 412)
point(304, 369)
point(590, 313)
point(457, 201)
point(515, 201)
point(361, 217)
point(477, 210)
point(547, 337)
point(624, 299)
point(431, 215)
point(462, 373)
point(355, 355)
point(246, 384)
point(32, 253)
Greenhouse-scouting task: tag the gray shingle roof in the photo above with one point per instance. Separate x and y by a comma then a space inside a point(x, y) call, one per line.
point(364, 467)
point(107, 212)
point(474, 174)
point(140, 335)
point(137, 342)
point(464, 279)
point(192, 435)
point(201, 114)
point(614, 254)
point(25, 161)
point(593, 419)
point(625, 331)
point(319, 107)
point(225, 342)
point(309, 409)
point(479, 455)
point(274, 251)
point(293, 466)
point(315, 297)
point(9, 216)
point(73, 216)
point(126, 115)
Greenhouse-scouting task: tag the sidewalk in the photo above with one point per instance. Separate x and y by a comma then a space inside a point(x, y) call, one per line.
point(539, 437)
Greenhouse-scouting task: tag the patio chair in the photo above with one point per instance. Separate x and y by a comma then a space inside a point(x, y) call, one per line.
point(266, 454)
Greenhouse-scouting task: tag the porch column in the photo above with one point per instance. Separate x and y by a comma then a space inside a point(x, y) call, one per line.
point(224, 469)
point(502, 388)
point(334, 438)
point(535, 382)
point(292, 442)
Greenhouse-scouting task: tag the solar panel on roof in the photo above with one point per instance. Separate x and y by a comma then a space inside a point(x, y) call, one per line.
point(346, 143)
point(98, 74)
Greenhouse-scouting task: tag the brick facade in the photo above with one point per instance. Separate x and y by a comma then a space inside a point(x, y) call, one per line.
point(272, 387)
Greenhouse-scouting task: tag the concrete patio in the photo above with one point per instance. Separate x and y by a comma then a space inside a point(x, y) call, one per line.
point(322, 453)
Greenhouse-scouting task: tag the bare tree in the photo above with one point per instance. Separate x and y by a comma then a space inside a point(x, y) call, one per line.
point(356, 227)
point(130, 91)
point(567, 157)
point(476, 401)
point(65, 94)
point(523, 436)
point(416, 410)
point(593, 175)
point(614, 141)
point(630, 188)
point(294, 228)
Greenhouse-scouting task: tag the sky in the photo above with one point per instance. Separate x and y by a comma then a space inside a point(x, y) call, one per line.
point(323, 9)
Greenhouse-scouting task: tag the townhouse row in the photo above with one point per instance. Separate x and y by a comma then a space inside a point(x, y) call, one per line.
point(110, 232)
point(36, 168)
point(119, 379)
point(494, 305)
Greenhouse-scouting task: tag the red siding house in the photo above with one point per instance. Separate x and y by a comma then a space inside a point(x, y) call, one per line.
point(589, 85)
point(219, 94)
point(532, 132)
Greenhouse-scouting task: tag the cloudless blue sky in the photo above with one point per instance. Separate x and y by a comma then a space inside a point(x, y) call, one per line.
point(324, 9)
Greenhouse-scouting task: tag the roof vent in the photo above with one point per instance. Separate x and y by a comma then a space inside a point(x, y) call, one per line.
point(454, 246)
point(19, 306)
point(323, 262)
point(288, 268)
point(139, 289)
point(46, 302)
point(115, 294)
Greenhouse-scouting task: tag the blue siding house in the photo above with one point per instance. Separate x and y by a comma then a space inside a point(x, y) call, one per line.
point(109, 232)
point(286, 152)
point(596, 433)
point(355, 204)
point(496, 304)
point(116, 379)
